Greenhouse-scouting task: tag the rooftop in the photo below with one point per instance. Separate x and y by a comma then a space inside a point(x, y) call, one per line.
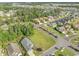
point(27, 44)
point(13, 49)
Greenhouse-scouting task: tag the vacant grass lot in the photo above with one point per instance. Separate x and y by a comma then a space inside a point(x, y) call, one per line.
point(42, 40)
point(64, 52)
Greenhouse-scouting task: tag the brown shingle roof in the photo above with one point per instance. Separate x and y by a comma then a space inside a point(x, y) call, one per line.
point(13, 49)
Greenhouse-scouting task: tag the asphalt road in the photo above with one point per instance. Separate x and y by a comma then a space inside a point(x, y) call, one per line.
point(61, 42)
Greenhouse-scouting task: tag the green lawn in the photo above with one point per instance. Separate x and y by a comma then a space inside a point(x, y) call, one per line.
point(75, 41)
point(42, 40)
point(64, 52)
point(54, 31)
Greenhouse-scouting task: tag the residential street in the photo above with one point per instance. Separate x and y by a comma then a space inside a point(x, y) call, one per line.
point(61, 42)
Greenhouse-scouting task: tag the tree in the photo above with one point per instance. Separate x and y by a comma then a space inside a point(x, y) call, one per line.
point(27, 30)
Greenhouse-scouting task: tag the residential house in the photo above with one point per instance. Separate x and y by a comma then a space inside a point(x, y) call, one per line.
point(27, 44)
point(77, 26)
point(4, 27)
point(1, 13)
point(13, 50)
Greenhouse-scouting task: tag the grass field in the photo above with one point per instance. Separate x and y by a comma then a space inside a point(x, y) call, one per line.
point(64, 52)
point(42, 40)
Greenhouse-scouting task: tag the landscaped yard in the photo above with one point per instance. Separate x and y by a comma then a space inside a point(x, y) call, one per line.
point(64, 52)
point(42, 40)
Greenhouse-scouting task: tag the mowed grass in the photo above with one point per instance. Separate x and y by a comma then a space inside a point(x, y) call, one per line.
point(64, 52)
point(42, 40)
point(52, 30)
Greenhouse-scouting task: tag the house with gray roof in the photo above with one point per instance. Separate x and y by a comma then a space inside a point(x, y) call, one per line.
point(27, 44)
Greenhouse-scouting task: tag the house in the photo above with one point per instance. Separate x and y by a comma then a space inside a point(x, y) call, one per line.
point(50, 18)
point(1, 13)
point(45, 18)
point(77, 26)
point(13, 50)
point(54, 25)
point(61, 29)
point(10, 13)
point(2, 53)
point(4, 27)
point(27, 44)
